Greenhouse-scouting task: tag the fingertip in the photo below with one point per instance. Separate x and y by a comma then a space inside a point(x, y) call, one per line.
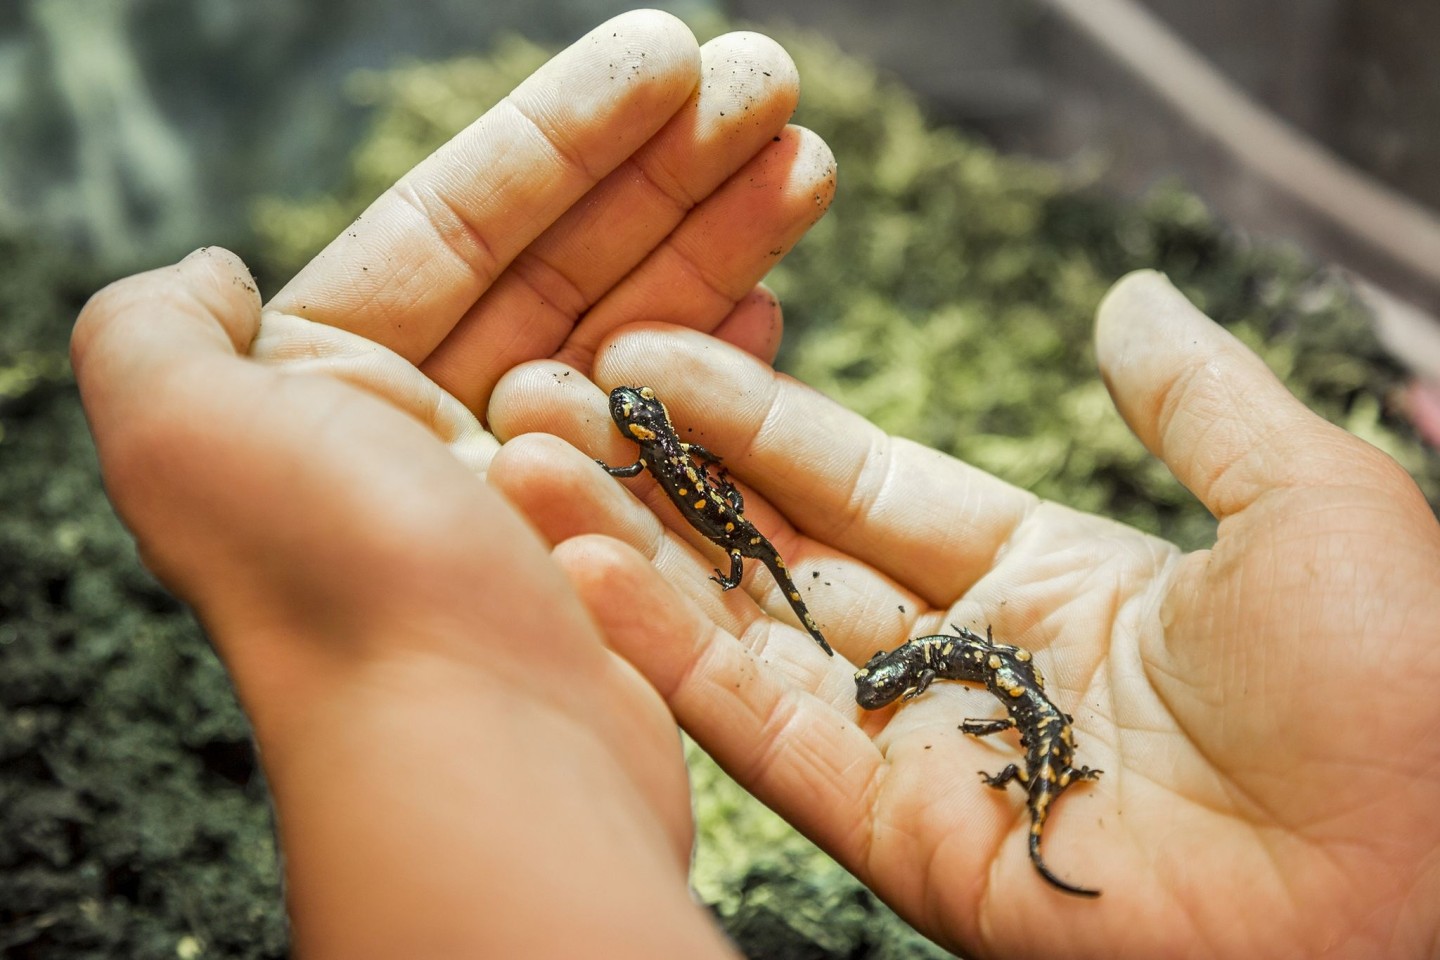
point(209, 284)
point(1131, 309)
point(228, 289)
point(660, 27)
point(756, 325)
point(547, 396)
point(814, 170)
point(604, 570)
point(747, 74)
point(642, 617)
point(1202, 401)
point(648, 59)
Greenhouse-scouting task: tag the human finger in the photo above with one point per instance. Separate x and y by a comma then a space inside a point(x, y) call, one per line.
point(566, 495)
point(142, 340)
point(748, 89)
point(729, 242)
point(418, 258)
point(304, 346)
point(927, 521)
point(782, 727)
point(756, 325)
point(858, 608)
point(1208, 407)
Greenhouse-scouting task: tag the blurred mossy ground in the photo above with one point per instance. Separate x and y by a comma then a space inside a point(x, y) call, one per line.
point(948, 295)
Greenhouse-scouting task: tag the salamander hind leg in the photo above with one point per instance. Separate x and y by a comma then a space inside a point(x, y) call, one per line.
point(983, 728)
point(629, 470)
point(737, 569)
point(730, 492)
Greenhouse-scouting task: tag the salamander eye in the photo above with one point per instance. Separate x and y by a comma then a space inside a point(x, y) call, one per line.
point(647, 393)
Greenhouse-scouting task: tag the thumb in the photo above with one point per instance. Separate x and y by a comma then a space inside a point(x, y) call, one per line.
point(1207, 406)
point(148, 338)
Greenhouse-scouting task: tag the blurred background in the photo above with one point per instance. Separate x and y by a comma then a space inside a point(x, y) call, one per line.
point(1001, 163)
point(132, 130)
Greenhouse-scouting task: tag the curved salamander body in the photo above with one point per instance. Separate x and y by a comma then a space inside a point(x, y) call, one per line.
point(710, 503)
point(1009, 673)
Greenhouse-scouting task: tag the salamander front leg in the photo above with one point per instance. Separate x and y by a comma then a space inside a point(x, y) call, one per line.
point(700, 453)
point(737, 568)
point(922, 683)
point(632, 470)
point(1000, 780)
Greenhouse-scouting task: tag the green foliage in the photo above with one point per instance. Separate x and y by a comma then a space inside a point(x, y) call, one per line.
point(133, 820)
point(417, 108)
point(948, 296)
point(778, 895)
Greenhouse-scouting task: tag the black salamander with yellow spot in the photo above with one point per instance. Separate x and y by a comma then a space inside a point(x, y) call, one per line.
point(709, 502)
point(1008, 673)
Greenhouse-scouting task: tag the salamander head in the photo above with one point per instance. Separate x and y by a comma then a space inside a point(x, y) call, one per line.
point(884, 679)
point(638, 413)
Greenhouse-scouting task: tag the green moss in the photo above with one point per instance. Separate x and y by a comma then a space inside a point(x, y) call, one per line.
point(133, 820)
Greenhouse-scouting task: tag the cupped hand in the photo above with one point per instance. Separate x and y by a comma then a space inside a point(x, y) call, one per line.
point(1263, 711)
point(633, 175)
point(459, 764)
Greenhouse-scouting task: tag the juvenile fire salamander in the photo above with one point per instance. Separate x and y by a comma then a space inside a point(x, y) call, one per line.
point(1010, 675)
point(711, 503)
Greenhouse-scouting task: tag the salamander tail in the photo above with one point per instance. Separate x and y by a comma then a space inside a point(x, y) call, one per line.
point(792, 596)
point(1053, 880)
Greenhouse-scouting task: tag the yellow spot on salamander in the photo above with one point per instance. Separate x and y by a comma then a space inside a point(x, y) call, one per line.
point(948, 649)
point(647, 393)
point(729, 528)
point(994, 662)
point(794, 595)
point(1016, 691)
point(641, 433)
point(1022, 655)
point(699, 504)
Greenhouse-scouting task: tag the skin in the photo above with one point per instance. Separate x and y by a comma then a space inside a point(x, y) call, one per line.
point(460, 766)
point(1264, 710)
point(462, 711)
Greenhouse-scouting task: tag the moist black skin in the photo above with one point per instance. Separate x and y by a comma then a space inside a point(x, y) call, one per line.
point(709, 502)
point(1009, 673)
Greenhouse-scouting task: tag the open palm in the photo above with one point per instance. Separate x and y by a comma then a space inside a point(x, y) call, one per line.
point(1264, 711)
